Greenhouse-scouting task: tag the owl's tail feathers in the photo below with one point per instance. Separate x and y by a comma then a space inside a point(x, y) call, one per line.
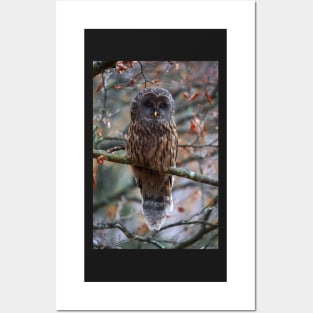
point(155, 210)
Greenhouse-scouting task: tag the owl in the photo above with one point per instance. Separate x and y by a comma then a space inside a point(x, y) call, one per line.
point(152, 143)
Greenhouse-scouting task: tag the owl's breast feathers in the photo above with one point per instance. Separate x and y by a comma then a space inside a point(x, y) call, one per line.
point(152, 144)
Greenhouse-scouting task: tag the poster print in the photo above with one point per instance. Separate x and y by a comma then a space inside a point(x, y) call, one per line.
point(155, 143)
point(91, 277)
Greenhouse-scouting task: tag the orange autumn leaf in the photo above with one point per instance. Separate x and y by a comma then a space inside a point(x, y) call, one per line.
point(99, 132)
point(154, 81)
point(194, 126)
point(128, 63)
point(111, 211)
point(202, 130)
point(94, 173)
point(99, 87)
point(185, 95)
point(197, 127)
point(120, 67)
point(119, 70)
point(142, 229)
point(193, 97)
point(100, 159)
point(209, 98)
point(117, 86)
point(123, 67)
point(131, 82)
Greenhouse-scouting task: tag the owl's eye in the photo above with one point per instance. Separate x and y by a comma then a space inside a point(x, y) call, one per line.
point(148, 104)
point(162, 105)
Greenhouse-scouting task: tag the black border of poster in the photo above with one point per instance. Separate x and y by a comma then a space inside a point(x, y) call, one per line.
point(155, 265)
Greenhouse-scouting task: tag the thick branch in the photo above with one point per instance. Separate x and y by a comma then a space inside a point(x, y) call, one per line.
point(182, 172)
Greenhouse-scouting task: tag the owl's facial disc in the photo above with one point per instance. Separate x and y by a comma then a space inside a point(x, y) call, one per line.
point(154, 108)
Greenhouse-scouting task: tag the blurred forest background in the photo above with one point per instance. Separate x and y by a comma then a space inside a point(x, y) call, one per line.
point(117, 206)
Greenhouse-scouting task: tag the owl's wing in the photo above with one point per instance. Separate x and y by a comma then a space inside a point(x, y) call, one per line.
point(174, 146)
point(174, 150)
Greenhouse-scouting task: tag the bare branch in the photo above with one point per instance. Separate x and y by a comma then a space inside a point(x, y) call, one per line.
point(204, 230)
point(143, 74)
point(182, 223)
point(197, 146)
point(206, 227)
point(128, 234)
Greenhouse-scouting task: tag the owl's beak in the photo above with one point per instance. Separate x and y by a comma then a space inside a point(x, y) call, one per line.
point(155, 113)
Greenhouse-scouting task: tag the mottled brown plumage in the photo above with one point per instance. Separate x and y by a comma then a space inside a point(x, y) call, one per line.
point(152, 142)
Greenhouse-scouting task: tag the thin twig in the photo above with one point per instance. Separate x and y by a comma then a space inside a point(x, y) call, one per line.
point(210, 242)
point(143, 74)
point(182, 223)
point(196, 237)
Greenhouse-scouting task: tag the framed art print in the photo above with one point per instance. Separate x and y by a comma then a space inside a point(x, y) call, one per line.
point(159, 194)
point(123, 202)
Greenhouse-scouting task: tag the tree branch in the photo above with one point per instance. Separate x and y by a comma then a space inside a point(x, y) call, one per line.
point(122, 143)
point(143, 74)
point(182, 172)
point(205, 227)
point(128, 234)
point(114, 196)
point(182, 223)
point(196, 146)
point(204, 230)
point(100, 66)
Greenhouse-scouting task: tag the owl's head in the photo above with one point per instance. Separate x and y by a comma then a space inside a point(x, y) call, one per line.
point(153, 104)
